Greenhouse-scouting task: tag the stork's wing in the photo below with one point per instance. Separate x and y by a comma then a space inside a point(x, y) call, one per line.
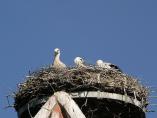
point(115, 67)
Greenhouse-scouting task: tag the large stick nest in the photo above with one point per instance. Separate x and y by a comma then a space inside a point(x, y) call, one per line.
point(46, 81)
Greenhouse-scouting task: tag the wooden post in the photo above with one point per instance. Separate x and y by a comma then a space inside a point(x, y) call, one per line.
point(51, 108)
point(69, 105)
point(46, 109)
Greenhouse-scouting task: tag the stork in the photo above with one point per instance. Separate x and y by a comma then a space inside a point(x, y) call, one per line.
point(79, 62)
point(103, 64)
point(57, 63)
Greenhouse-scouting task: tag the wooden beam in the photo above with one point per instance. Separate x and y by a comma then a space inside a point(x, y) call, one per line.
point(69, 105)
point(46, 109)
point(52, 109)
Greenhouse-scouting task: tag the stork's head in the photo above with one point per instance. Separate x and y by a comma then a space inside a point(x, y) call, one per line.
point(99, 62)
point(78, 61)
point(56, 51)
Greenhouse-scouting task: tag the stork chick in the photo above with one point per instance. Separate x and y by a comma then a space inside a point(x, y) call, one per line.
point(79, 62)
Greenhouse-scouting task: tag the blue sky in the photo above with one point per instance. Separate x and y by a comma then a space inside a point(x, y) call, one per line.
point(119, 31)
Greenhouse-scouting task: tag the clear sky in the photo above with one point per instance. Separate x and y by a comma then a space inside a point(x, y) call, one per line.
point(123, 32)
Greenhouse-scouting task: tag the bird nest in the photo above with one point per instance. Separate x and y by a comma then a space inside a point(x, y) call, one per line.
point(46, 81)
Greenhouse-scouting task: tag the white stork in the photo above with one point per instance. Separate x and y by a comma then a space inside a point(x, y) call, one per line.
point(79, 62)
point(102, 64)
point(57, 63)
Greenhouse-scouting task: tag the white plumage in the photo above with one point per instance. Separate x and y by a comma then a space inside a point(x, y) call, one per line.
point(57, 63)
point(102, 64)
point(79, 62)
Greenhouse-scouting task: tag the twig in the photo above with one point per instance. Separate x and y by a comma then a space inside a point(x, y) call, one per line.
point(29, 111)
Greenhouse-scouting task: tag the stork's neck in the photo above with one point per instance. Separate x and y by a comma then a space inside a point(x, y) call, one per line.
point(57, 57)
